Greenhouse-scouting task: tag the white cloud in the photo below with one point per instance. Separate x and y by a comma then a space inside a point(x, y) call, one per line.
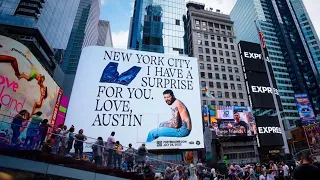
point(225, 6)
point(103, 2)
point(120, 39)
point(313, 7)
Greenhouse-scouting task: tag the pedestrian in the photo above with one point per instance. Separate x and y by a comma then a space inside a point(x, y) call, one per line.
point(55, 140)
point(32, 130)
point(213, 174)
point(78, 144)
point(63, 139)
point(43, 131)
point(142, 153)
point(117, 155)
point(193, 172)
point(286, 171)
point(110, 146)
point(16, 125)
point(70, 140)
point(97, 151)
point(306, 170)
point(274, 168)
point(130, 157)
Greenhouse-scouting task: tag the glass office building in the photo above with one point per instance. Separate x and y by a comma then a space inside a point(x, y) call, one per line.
point(292, 64)
point(54, 18)
point(308, 30)
point(157, 26)
point(84, 33)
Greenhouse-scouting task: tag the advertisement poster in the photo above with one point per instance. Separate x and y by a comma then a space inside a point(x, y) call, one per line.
point(24, 83)
point(242, 122)
point(313, 136)
point(209, 112)
point(62, 110)
point(305, 109)
point(143, 97)
point(269, 131)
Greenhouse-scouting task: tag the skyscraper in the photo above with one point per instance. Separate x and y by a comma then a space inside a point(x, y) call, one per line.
point(292, 64)
point(84, 33)
point(157, 26)
point(105, 38)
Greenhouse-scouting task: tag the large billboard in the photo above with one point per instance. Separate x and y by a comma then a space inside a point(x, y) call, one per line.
point(234, 121)
point(269, 131)
point(144, 97)
point(312, 132)
point(260, 92)
point(24, 83)
point(305, 110)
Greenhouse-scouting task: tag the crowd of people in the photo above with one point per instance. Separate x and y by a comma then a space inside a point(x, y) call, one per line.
point(110, 153)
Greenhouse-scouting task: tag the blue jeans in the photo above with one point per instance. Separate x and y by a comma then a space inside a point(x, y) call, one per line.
point(168, 132)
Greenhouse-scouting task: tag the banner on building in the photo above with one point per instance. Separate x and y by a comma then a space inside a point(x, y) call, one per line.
point(209, 112)
point(312, 132)
point(269, 131)
point(305, 110)
point(143, 97)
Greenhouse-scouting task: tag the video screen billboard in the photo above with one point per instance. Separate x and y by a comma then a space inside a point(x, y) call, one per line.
point(305, 109)
point(313, 136)
point(251, 57)
point(144, 97)
point(239, 121)
point(269, 131)
point(24, 83)
point(260, 94)
point(209, 112)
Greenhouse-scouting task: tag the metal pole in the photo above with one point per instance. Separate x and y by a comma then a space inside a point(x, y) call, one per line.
point(286, 148)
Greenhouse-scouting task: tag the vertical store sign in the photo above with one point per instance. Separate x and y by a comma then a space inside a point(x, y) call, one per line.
point(56, 108)
point(305, 109)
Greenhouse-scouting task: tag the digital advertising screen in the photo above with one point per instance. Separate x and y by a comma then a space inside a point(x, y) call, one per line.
point(143, 97)
point(240, 123)
point(25, 85)
point(305, 109)
point(269, 131)
point(313, 136)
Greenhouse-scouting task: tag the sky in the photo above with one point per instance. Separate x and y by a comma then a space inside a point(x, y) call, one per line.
point(119, 12)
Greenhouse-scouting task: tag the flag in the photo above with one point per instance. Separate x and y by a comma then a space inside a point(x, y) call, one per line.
point(261, 36)
point(207, 93)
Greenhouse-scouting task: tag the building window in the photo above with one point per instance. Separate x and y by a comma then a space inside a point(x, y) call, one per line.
point(235, 103)
point(239, 87)
point(233, 54)
point(229, 33)
point(206, 36)
point(202, 75)
point(204, 23)
point(199, 35)
point(226, 95)
point(226, 46)
point(199, 42)
point(225, 39)
point(214, 51)
point(231, 40)
point(232, 47)
point(225, 85)
point(236, 70)
point(220, 103)
point(232, 86)
point(227, 53)
point(197, 22)
point(213, 44)
point(211, 84)
point(215, 59)
point(198, 27)
point(201, 66)
point(200, 57)
point(208, 58)
point(220, 52)
point(206, 43)
point(228, 61)
point(203, 84)
point(212, 37)
point(219, 94)
point(231, 77)
point(234, 95)
point(235, 62)
point(242, 103)
point(218, 85)
point(209, 66)
point(228, 28)
point(228, 103)
point(217, 76)
point(204, 102)
point(229, 69)
point(210, 75)
point(207, 50)
point(223, 68)
point(216, 67)
point(218, 38)
point(200, 50)
point(216, 25)
point(224, 76)
point(204, 28)
point(237, 78)
point(219, 45)
point(223, 32)
point(213, 103)
point(240, 95)
point(178, 22)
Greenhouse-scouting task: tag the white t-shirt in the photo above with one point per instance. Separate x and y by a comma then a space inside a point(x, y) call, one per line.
point(270, 176)
point(261, 177)
point(110, 142)
point(285, 170)
point(213, 172)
